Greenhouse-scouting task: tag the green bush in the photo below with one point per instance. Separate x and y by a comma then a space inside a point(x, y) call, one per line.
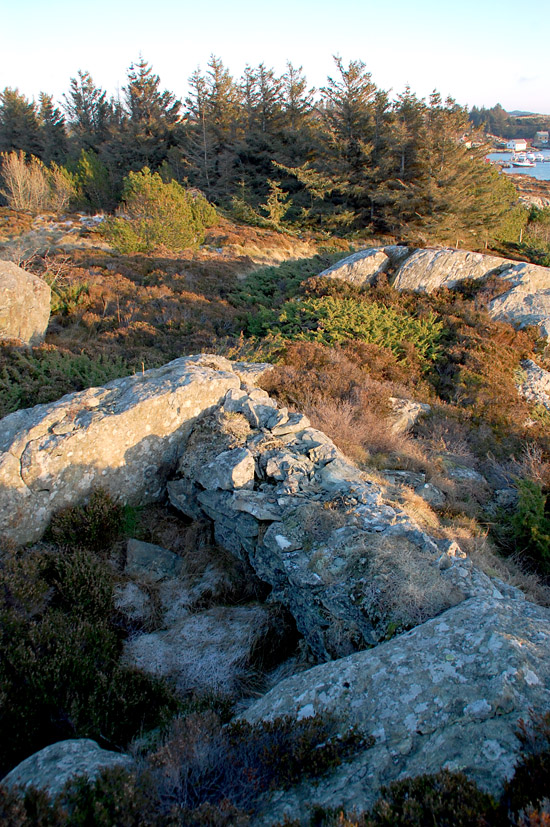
point(271, 286)
point(531, 524)
point(157, 214)
point(332, 320)
point(38, 375)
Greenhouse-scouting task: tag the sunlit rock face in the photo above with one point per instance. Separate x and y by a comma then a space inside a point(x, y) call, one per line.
point(124, 437)
point(525, 296)
point(24, 305)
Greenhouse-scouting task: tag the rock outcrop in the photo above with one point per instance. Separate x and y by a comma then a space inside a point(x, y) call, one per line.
point(448, 694)
point(125, 437)
point(361, 268)
point(428, 270)
point(525, 299)
point(24, 305)
point(351, 568)
point(534, 384)
point(51, 767)
point(355, 572)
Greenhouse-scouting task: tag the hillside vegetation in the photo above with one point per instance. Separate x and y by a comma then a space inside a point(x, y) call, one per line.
point(209, 236)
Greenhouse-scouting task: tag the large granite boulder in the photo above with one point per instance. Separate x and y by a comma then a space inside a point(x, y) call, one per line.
point(427, 270)
point(359, 269)
point(51, 767)
point(448, 694)
point(527, 302)
point(24, 305)
point(525, 299)
point(124, 437)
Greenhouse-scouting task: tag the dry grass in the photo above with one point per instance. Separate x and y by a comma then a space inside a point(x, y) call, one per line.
point(405, 587)
point(419, 510)
point(475, 541)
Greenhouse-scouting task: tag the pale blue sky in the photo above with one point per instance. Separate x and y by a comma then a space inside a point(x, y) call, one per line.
point(480, 51)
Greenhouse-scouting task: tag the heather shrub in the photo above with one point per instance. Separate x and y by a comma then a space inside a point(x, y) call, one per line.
point(200, 762)
point(33, 809)
point(94, 525)
point(60, 648)
point(117, 797)
point(157, 214)
point(530, 784)
point(445, 799)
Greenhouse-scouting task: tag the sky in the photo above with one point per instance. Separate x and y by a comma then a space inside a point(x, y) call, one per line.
point(481, 52)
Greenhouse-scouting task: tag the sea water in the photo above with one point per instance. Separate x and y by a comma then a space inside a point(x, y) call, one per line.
point(541, 170)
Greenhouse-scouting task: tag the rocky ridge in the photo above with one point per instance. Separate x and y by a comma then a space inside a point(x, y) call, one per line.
point(525, 297)
point(353, 570)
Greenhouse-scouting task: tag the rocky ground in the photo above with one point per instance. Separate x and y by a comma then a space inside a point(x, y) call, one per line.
point(278, 570)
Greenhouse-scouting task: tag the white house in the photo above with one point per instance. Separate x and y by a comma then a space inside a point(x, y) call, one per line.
point(517, 145)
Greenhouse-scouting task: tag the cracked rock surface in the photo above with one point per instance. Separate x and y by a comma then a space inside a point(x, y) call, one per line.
point(447, 694)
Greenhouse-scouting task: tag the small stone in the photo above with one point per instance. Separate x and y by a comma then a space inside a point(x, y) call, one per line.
point(231, 469)
point(151, 562)
point(295, 423)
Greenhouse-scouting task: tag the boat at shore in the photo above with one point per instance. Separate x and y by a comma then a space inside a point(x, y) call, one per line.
point(521, 160)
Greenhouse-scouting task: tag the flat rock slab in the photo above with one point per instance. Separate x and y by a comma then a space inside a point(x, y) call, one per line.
point(24, 304)
point(151, 562)
point(448, 694)
point(51, 767)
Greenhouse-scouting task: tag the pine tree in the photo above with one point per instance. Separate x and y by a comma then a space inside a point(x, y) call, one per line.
point(297, 100)
point(153, 116)
point(88, 113)
point(349, 133)
point(19, 125)
point(438, 187)
point(214, 125)
point(52, 131)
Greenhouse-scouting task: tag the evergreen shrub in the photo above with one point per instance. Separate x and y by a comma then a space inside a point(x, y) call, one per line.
point(157, 214)
point(30, 376)
point(332, 320)
point(531, 524)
